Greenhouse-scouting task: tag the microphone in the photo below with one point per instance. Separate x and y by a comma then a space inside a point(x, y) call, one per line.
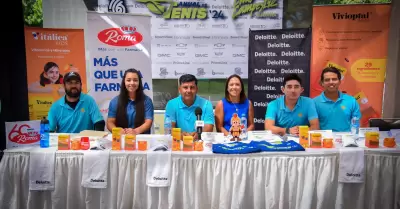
point(199, 123)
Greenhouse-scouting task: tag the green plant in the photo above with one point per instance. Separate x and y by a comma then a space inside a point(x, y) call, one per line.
point(33, 12)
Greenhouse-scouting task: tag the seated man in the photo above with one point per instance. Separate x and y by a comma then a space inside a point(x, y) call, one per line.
point(181, 110)
point(335, 109)
point(75, 111)
point(285, 114)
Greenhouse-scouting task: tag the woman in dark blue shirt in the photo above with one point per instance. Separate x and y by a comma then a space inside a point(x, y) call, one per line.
point(132, 109)
point(233, 107)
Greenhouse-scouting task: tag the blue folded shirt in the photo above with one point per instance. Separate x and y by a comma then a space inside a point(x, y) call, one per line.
point(278, 147)
point(256, 146)
point(235, 148)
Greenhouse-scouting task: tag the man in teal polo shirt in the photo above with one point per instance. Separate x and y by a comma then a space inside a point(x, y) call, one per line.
point(75, 111)
point(181, 110)
point(335, 109)
point(285, 114)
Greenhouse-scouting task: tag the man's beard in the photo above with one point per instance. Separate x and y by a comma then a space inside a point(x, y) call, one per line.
point(73, 94)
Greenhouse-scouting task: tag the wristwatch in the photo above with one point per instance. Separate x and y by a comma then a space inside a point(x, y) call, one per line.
point(287, 130)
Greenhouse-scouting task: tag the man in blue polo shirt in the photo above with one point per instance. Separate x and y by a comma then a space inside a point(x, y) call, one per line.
point(181, 110)
point(335, 109)
point(75, 111)
point(285, 114)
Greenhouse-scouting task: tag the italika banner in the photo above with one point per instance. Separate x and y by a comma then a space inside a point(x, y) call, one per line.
point(117, 42)
point(208, 39)
point(50, 54)
point(272, 55)
point(354, 39)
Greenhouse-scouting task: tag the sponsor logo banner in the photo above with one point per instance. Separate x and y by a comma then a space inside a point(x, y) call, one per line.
point(272, 55)
point(195, 29)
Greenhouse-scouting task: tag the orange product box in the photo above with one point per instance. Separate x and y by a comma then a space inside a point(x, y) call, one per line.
point(130, 142)
point(188, 143)
point(372, 139)
point(176, 139)
point(198, 145)
point(327, 143)
point(142, 145)
point(389, 142)
point(76, 144)
point(316, 140)
point(303, 136)
point(116, 138)
point(64, 142)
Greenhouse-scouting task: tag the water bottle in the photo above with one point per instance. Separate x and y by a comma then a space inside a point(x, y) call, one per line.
point(243, 121)
point(44, 133)
point(355, 125)
point(167, 125)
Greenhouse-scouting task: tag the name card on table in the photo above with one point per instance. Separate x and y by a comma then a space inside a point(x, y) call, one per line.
point(394, 133)
point(259, 135)
point(362, 131)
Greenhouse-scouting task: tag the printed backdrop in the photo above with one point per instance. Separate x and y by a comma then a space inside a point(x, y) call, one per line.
point(117, 42)
point(50, 54)
point(272, 55)
point(353, 38)
point(206, 38)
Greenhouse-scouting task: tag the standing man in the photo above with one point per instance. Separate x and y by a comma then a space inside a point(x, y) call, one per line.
point(75, 111)
point(181, 110)
point(285, 114)
point(335, 109)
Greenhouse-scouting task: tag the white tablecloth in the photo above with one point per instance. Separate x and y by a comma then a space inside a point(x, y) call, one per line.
point(290, 180)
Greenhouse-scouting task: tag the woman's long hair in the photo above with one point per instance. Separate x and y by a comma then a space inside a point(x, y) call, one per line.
point(123, 99)
point(43, 80)
point(242, 94)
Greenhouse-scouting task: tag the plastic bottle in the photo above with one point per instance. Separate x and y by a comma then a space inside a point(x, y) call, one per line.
point(243, 121)
point(167, 125)
point(355, 125)
point(44, 133)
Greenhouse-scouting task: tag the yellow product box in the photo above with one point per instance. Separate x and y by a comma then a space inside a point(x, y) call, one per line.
point(372, 139)
point(64, 142)
point(176, 139)
point(303, 136)
point(116, 138)
point(188, 143)
point(130, 142)
point(316, 140)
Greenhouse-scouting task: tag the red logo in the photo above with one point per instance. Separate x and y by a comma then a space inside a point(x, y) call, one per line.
point(23, 135)
point(123, 36)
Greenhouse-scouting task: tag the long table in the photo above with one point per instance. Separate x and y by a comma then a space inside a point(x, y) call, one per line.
point(285, 180)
